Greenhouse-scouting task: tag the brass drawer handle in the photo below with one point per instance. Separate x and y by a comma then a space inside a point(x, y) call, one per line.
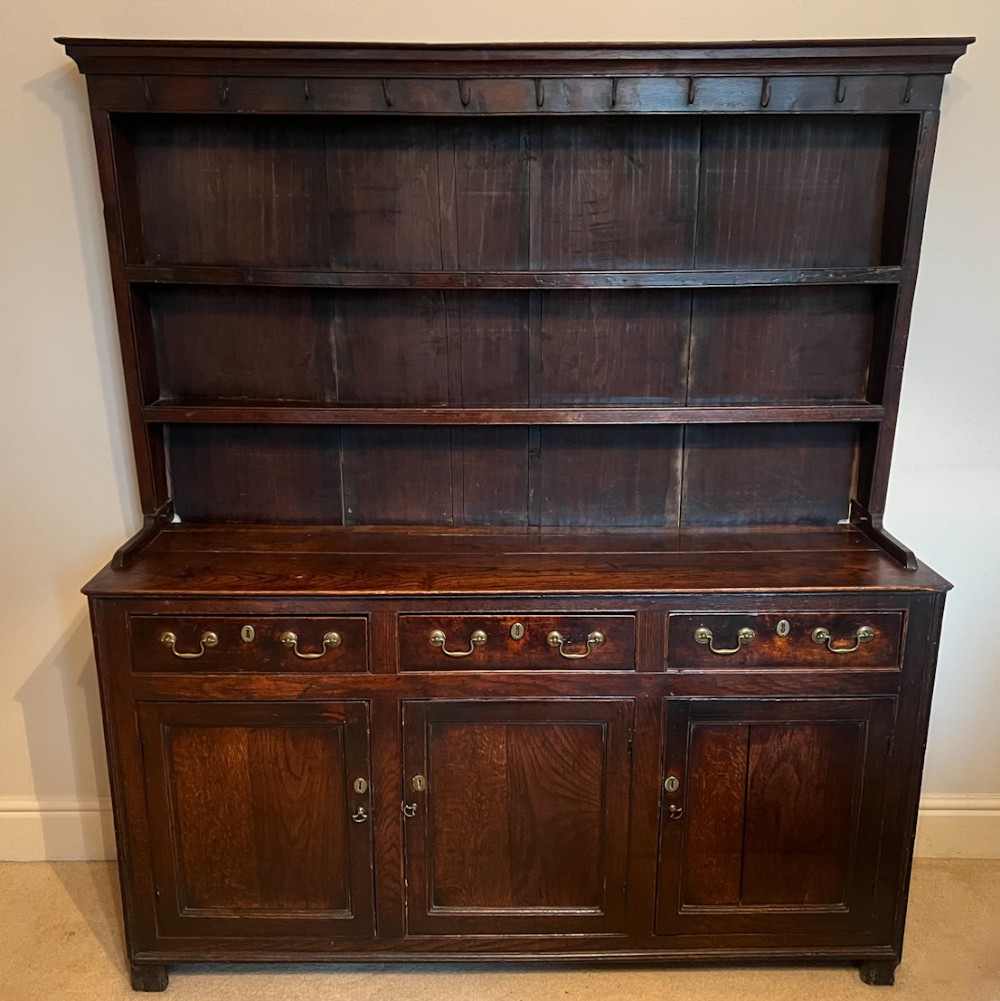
point(208, 639)
point(477, 639)
point(291, 640)
point(360, 815)
point(821, 637)
point(557, 640)
point(744, 637)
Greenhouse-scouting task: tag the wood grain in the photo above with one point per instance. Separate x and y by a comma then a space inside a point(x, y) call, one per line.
point(802, 785)
point(792, 192)
point(523, 822)
point(225, 191)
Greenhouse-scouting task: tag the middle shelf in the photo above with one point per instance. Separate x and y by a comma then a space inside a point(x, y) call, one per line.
point(223, 275)
point(305, 412)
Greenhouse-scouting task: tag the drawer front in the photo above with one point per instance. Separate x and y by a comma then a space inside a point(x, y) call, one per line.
point(517, 642)
point(246, 644)
point(833, 640)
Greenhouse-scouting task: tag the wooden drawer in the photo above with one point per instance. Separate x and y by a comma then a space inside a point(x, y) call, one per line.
point(516, 643)
point(784, 640)
point(322, 644)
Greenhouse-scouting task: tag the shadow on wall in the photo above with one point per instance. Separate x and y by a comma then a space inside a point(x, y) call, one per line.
point(61, 705)
point(65, 92)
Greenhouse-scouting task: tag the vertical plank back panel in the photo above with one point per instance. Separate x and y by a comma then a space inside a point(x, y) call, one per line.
point(614, 347)
point(618, 194)
point(751, 474)
point(792, 191)
point(610, 476)
point(781, 346)
point(222, 190)
point(254, 473)
point(243, 344)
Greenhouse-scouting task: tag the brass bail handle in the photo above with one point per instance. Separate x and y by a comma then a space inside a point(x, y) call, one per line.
point(477, 639)
point(289, 639)
point(821, 637)
point(704, 636)
point(208, 640)
point(559, 641)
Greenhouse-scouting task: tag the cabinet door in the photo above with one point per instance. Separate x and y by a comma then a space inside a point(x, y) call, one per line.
point(775, 820)
point(251, 810)
point(519, 818)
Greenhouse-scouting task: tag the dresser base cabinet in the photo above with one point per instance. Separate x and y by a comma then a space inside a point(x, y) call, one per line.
point(512, 429)
point(498, 811)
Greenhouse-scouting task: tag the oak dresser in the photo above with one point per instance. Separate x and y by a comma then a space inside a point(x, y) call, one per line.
point(512, 427)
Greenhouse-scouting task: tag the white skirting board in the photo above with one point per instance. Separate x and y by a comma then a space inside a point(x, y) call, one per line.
point(33, 830)
point(958, 827)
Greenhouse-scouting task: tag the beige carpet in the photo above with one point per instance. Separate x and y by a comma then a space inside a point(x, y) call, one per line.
point(60, 940)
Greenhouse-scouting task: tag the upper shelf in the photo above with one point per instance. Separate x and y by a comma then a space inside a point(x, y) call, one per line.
point(312, 277)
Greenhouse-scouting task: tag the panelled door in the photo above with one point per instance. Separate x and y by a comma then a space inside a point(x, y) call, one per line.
point(771, 814)
point(258, 826)
point(516, 816)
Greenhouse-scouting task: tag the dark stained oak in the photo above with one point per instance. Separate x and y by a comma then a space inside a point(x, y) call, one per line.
point(587, 278)
point(236, 472)
point(301, 412)
point(796, 648)
point(598, 340)
point(531, 650)
point(500, 569)
point(522, 825)
point(262, 652)
point(616, 193)
point(252, 817)
point(801, 787)
point(793, 192)
point(606, 348)
point(148, 976)
point(791, 345)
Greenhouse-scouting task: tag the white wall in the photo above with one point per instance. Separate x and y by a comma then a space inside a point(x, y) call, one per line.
point(68, 498)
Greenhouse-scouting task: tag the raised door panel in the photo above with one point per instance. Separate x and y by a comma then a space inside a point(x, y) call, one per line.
point(521, 824)
point(773, 823)
point(251, 810)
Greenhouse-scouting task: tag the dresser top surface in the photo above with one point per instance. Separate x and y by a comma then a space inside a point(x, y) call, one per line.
point(305, 561)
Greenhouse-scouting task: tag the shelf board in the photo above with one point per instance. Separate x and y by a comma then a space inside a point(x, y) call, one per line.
point(319, 278)
point(256, 412)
